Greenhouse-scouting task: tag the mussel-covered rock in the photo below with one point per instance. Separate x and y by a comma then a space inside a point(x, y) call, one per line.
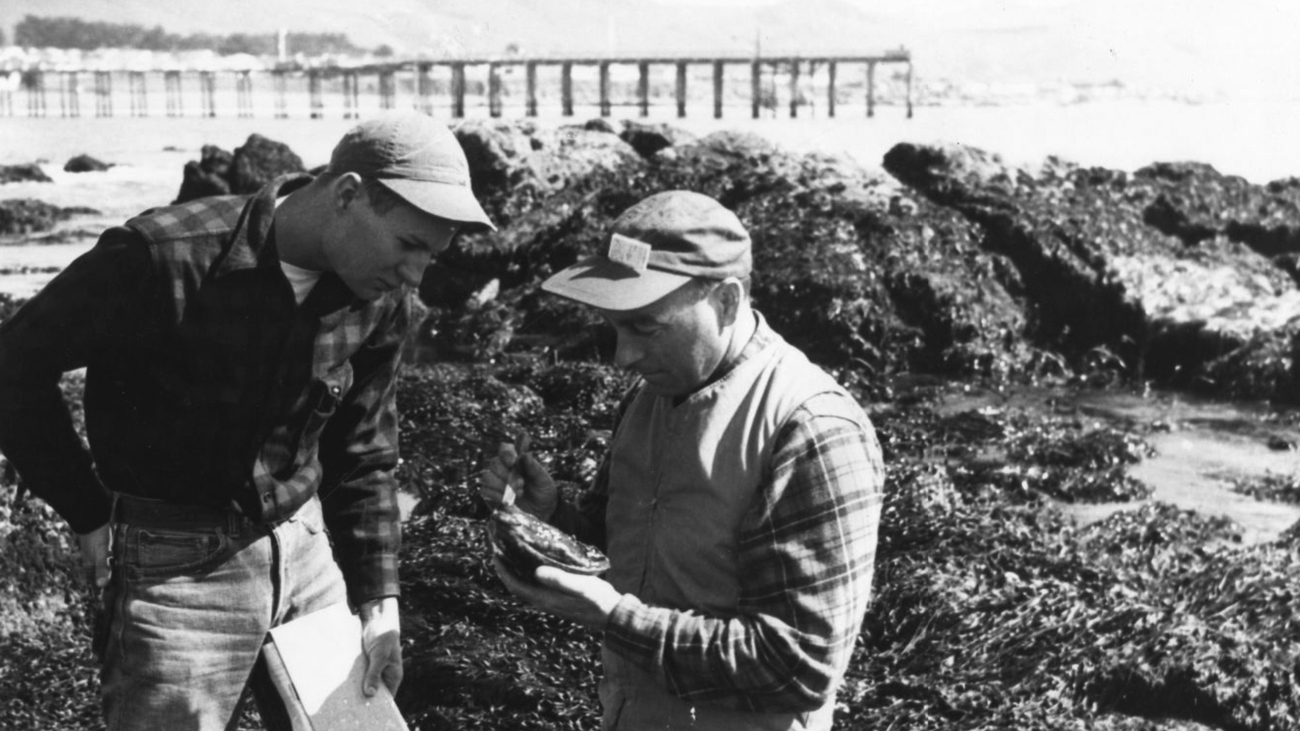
point(523, 542)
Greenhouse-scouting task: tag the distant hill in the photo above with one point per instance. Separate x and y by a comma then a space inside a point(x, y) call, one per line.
point(1172, 43)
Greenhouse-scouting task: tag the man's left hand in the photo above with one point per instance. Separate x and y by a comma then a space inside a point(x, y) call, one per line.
point(587, 600)
point(381, 641)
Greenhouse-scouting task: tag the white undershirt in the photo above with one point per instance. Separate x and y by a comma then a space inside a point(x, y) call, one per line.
point(301, 279)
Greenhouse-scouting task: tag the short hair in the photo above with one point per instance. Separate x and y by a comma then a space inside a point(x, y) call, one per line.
point(702, 286)
point(382, 199)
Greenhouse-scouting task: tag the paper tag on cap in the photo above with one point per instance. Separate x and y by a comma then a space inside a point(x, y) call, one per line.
point(629, 252)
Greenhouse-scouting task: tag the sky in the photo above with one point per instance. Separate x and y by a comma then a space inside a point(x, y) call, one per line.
point(1242, 46)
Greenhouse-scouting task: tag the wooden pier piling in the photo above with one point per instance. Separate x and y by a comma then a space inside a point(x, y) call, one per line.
point(103, 94)
point(244, 93)
point(351, 96)
point(871, 88)
point(317, 102)
point(604, 89)
point(387, 89)
point(172, 90)
point(717, 89)
point(643, 87)
point(530, 72)
point(566, 88)
point(830, 88)
point(458, 89)
point(208, 93)
point(681, 89)
point(424, 87)
point(494, 90)
point(281, 94)
point(70, 94)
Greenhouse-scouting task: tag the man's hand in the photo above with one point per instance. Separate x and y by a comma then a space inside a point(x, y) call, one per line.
point(381, 641)
point(514, 467)
point(95, 549)
point(587, 600)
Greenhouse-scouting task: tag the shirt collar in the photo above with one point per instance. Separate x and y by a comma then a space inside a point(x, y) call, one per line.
point(253, 245)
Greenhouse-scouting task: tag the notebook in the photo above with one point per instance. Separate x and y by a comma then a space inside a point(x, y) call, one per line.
point(317, 664)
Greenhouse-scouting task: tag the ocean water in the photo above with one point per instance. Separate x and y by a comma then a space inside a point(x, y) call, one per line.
point(1255, 140)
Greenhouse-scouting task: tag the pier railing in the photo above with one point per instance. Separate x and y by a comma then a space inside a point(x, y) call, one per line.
point(796, 82)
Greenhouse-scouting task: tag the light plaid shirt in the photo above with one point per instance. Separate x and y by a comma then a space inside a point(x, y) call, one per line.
point(807, 549)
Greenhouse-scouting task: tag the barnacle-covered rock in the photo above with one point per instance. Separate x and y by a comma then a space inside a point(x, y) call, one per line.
point(523, 542)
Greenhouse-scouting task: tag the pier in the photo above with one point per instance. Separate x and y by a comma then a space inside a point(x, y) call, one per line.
point(457, 87)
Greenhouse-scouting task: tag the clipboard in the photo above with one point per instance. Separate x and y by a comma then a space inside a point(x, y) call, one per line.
point(317, 665)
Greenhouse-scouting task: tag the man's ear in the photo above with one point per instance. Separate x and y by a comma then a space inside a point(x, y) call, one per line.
point(727, 295)
point(345, 189)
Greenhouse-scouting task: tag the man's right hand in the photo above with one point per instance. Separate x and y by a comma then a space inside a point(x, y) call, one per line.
point(95, 547)
point(535, 491)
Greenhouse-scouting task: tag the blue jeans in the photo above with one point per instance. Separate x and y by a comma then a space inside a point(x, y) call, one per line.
point(187, 611)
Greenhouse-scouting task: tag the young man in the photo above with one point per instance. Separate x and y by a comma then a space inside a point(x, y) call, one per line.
point(241, 356)
point(738, 504)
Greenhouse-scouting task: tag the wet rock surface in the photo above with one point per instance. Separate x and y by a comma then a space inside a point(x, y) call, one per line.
point(1131, 265)
point(254, 164)
point(259, 161)
point(85, 164)
point(20, 216)
point(24, 173)
point(209, 175)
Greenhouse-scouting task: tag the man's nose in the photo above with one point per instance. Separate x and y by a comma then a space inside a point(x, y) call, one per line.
point(412, 268)
point(627, 352)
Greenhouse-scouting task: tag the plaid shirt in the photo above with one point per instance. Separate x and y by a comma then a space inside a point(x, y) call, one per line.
point(806, 555)
point(206, 382)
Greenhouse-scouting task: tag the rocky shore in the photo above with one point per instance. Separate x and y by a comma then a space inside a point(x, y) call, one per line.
point(948, 270)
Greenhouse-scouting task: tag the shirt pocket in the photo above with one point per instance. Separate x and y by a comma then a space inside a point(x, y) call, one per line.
point(323, 399)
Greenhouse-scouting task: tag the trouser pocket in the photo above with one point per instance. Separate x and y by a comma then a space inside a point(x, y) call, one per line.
point(158, 554)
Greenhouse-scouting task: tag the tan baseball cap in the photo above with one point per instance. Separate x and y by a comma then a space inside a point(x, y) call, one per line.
point(417, 158)
point(655, 247)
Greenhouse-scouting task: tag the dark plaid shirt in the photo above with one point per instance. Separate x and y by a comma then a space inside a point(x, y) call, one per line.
point(206, 382)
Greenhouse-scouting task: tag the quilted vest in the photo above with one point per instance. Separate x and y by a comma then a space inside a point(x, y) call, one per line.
point(681, 478)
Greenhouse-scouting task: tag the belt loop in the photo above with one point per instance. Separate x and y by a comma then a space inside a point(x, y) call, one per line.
point(112, 508)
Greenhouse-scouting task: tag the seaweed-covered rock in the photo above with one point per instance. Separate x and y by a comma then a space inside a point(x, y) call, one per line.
point(209, 175)
point(259, 161)
point(24, 173)
point(850, 266)
point(1195, 203)
point(27, 216)
point(515, 166)
point(600, 124)
point(254, 164)
point(1098, 273)
point(648, 139)
point(85, 164)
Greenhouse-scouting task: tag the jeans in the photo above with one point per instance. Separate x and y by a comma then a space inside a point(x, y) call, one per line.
point(187, 611)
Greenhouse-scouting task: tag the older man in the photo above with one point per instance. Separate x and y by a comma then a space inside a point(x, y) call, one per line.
point(241, 356)
point(738, 504)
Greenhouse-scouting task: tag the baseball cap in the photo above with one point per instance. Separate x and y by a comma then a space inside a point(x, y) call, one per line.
point(417, 158)
point(655, 247)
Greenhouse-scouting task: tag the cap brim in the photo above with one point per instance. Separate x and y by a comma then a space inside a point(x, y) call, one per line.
point(445, 200)
point(605, 285)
